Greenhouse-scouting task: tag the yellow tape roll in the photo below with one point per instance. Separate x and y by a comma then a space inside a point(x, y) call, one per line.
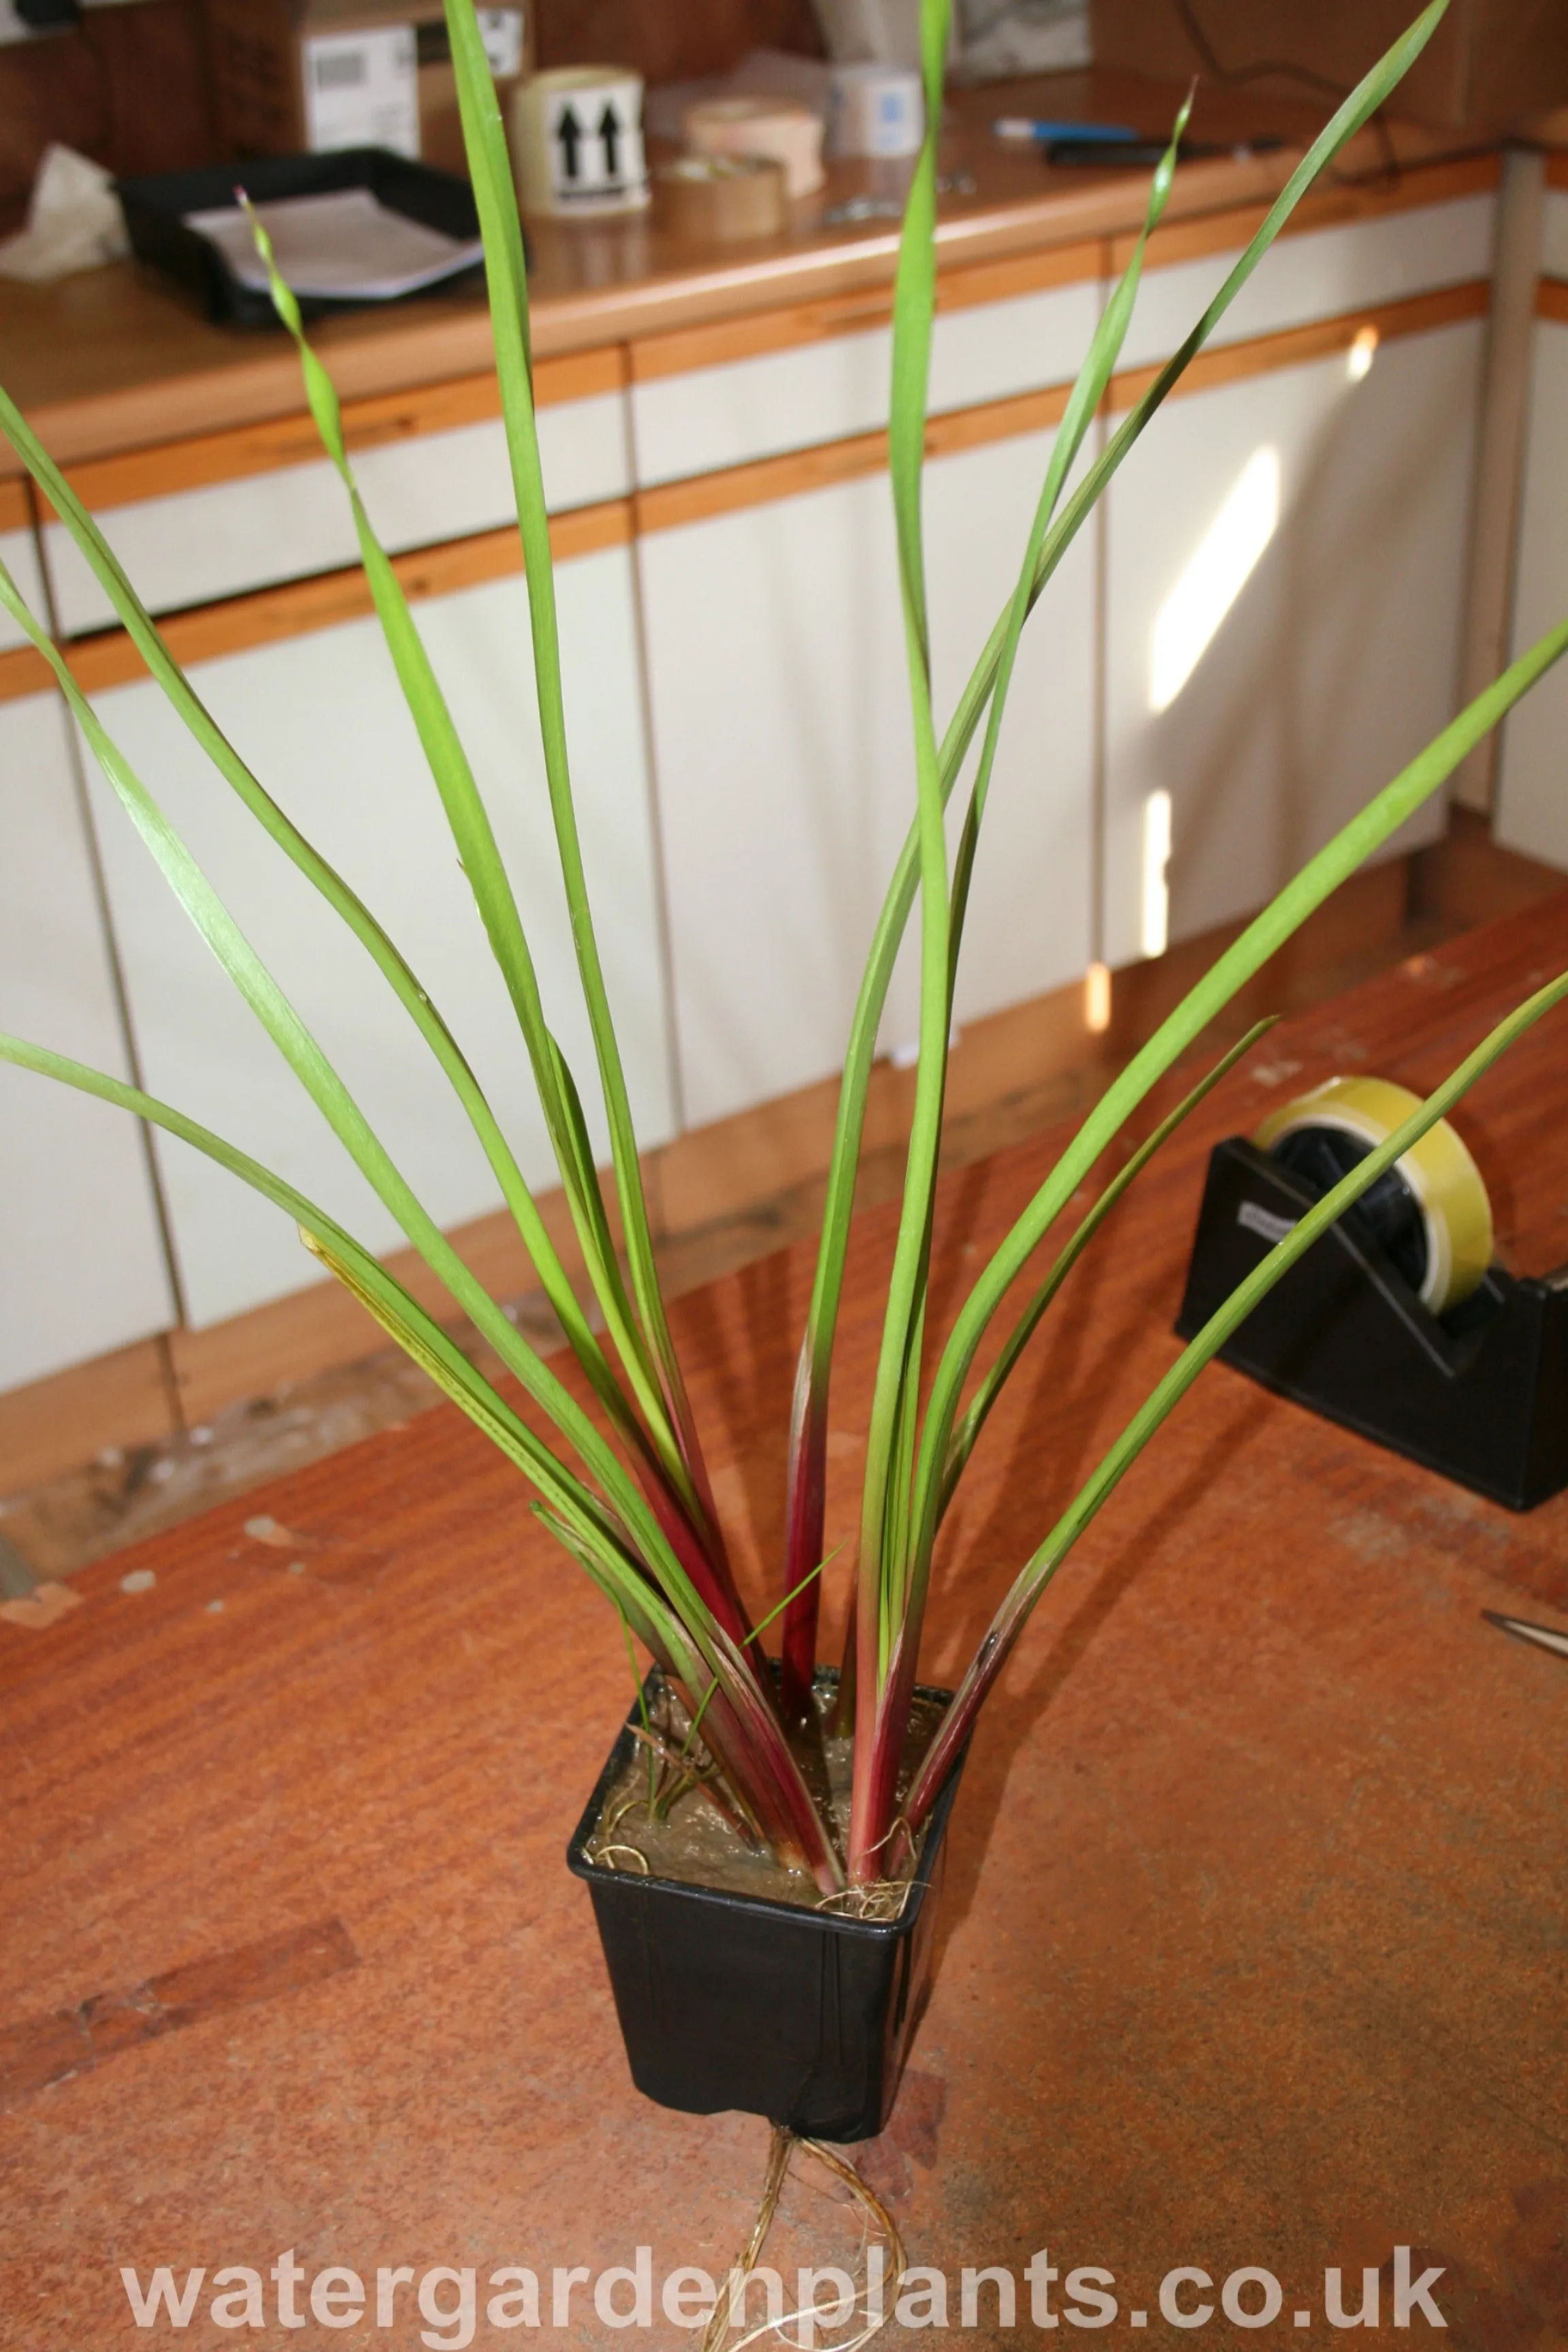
point(1442, 1179)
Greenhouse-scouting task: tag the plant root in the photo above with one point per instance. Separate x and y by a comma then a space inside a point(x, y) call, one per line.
point(602, 1854)
point(878, 2220)
point(883, 1900)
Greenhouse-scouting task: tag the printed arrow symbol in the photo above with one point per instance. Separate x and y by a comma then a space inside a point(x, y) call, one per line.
point(569, 131)
point(610, 132)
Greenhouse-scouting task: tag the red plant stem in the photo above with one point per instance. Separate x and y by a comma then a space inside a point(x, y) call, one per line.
point(770, 1778)
point(695, 1462)
point(959, 1720)
point(848, 1670)
point(804, 1541)
point(879, 1752)
point(716, 1589)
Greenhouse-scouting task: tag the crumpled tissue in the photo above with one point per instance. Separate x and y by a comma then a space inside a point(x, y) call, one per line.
point(74, 221)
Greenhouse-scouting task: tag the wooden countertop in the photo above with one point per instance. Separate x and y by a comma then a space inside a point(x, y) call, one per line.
point(1251, 1947)
point(115, 359)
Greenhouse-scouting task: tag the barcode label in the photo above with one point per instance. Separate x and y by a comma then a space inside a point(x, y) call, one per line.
point(362, 90)
point(341, 70)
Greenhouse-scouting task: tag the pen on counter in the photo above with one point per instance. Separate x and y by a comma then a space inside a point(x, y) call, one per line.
point(1025, 131)
point(1144, 153)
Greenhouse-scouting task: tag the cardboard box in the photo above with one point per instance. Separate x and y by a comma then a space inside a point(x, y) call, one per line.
point(294, 77)
point(1490, 65)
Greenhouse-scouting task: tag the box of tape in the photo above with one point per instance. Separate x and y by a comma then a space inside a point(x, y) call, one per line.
point(296, 76)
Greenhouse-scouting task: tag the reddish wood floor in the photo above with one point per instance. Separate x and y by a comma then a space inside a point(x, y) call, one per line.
point(1253, 1949)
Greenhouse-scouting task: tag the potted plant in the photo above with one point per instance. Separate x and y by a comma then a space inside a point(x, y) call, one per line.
point(789, 1981)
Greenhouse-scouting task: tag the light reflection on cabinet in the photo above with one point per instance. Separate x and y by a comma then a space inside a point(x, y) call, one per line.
point(1286, 579)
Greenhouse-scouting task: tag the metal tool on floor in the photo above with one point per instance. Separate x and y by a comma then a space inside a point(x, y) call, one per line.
point(1543, 1637)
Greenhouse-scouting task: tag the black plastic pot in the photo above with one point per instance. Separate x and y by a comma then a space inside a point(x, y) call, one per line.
point(728, 2000)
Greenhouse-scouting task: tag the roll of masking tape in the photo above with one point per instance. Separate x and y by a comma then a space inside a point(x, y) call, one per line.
point(576, 142)
point(1430, 1212)
point(791, 135)
point(715, 198)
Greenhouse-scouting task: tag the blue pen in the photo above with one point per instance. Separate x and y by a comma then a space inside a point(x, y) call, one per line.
point(1026, 131)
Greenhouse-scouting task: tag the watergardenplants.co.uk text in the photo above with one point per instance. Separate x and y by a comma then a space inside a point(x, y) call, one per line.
point(459, 2304)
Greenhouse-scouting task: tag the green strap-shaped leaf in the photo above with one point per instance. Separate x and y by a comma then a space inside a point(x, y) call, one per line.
point(1262, 938)
point(978, 1412)
point(326, 1088)
point(489, 167)
point(889, 1439)
point(622, 1545)
point(209, 737)
point(1014, 1610)
point(809, 1422)
point(1082, 404)
point(485, 869)
point(413, 1327)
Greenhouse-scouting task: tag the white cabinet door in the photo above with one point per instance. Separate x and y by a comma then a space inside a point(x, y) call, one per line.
point(782, 744)
point(1029, 927)
point(81, 1260)
point(837, 387)
point(1532, 781)
point(189, 547)
point(1322, 273)
point(1286, 574)
point(322, 722)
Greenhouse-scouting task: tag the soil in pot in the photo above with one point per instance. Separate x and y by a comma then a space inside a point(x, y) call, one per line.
point(687, 1835)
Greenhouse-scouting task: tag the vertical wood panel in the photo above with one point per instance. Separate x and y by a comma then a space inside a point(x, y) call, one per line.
point(672, 41)
point(129, 87)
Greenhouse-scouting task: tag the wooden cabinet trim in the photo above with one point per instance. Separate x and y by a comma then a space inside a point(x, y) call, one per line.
point(996, 420)
point(281, 442)
point(15, 506)
point(686, 349)
point(23, 671)
point(673, 504)
point(1552, 299)
point(1334, 207)
point(274, 616)
point(761, 483)
point(1557, 169)
point(1298, 346)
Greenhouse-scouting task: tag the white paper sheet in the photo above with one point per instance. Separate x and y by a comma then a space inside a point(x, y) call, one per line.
point(344, 244)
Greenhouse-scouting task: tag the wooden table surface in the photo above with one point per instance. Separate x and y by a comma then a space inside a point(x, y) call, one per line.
point(1254, 1944)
